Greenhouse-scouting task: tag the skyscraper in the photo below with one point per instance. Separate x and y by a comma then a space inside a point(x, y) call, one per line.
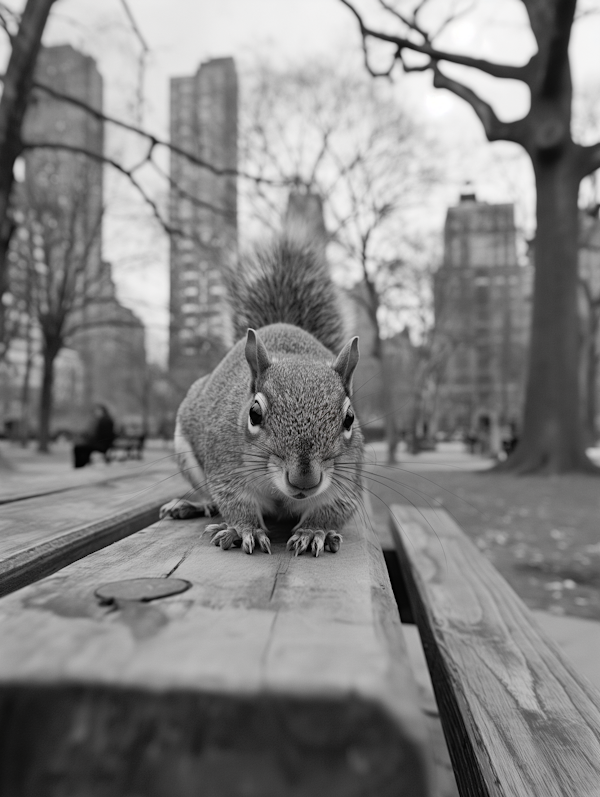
point(482, 307)
point(203, 215)
point(62, 198)
point(55, 124)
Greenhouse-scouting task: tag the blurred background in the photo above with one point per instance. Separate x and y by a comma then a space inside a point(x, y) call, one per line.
point(151, 142)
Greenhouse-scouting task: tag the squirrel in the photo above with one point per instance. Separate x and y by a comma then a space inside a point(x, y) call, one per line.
point(271, 432)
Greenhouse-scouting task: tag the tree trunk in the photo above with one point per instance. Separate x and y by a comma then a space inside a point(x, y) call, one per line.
point(553, 440)
point(16, 90)
point(591, 377)
point(46, 396)
point(387, 400)
point(25, 392)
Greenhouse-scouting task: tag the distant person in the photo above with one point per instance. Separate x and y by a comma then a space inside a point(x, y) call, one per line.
point(99, 437)
point(511, 438)
point(471, 440)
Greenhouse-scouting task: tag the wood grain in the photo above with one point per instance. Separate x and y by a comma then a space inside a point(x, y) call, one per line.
point(517, 717)
point(272, 675)
point(21, 486)
point(40, 535)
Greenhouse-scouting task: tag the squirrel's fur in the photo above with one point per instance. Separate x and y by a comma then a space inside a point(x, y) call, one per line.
point(269, 432)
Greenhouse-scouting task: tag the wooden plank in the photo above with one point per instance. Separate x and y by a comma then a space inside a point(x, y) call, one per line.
point(38, 536)
point(272, 675)
point(517, 717)
point(23, 484)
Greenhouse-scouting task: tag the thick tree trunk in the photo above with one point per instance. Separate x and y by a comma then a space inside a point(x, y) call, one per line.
point(553, 439)
point(46, 397)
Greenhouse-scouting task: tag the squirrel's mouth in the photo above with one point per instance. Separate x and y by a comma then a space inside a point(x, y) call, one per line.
point(304, 491)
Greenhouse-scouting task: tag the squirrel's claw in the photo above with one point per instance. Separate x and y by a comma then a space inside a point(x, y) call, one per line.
point(299, 541)
point(226, 536)
point(263, 541)
point(223, 535)
point(316, 538)
point(333, 540)
point(318, 543)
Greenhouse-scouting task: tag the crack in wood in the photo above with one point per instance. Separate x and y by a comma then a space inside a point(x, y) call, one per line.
point(179, 563)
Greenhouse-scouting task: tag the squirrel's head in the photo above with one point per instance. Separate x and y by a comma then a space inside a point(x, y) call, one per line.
point(300, 420)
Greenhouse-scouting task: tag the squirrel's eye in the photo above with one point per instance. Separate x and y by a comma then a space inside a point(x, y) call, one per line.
point(348, 420)
point(256, 414)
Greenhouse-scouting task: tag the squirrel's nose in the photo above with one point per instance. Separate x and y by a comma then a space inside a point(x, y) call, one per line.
point(304, 480)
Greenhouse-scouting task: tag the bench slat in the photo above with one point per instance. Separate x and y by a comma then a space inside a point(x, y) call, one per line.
point(517, 717)
point(40, 535)
point(272, 675)
point(19, 487)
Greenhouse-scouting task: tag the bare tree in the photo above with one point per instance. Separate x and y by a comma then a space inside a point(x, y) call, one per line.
point(553, 439)
point(321, 130)
point(57, 262)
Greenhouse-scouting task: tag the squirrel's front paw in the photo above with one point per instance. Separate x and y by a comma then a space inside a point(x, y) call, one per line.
point(180, 509)
point(318, 539)
point(226, 536)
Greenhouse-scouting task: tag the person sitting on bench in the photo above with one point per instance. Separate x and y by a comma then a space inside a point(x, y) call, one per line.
point(99, 437)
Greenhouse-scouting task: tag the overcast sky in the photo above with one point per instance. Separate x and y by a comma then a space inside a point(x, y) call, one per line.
point(182, 33)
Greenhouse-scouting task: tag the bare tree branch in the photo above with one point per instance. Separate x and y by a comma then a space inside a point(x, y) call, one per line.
point(152, 139)
point(135, 26)
point(142, 60)
point(452, 18)
point(168, 228)
point(495, 130)
point(120, 168)
point(4, 25)
point(403, 43)
point(9, 20)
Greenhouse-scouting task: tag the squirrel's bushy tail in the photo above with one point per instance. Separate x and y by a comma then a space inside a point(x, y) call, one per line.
point(287, 281)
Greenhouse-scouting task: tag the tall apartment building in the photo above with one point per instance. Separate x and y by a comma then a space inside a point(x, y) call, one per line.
point(108, 338)
point(482, 307)
point(49, 121)
point(203, 211)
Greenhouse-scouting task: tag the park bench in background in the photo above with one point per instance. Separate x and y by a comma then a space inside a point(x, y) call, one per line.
point(269, 676)
point(517, 718)
point(127, 446)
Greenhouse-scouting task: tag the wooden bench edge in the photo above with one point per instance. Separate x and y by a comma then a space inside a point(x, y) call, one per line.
point(473, 762)
point(25, 567)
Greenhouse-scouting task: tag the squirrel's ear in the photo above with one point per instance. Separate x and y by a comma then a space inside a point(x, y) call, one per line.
point(346, 362)
point(256, 354)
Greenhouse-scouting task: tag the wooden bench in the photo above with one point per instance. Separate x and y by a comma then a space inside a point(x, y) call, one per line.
point(46, 527)
point(126, 447)
point(268, 676)
point(517, 718)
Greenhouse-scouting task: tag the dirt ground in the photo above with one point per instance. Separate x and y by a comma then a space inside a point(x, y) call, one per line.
point(541, 533)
